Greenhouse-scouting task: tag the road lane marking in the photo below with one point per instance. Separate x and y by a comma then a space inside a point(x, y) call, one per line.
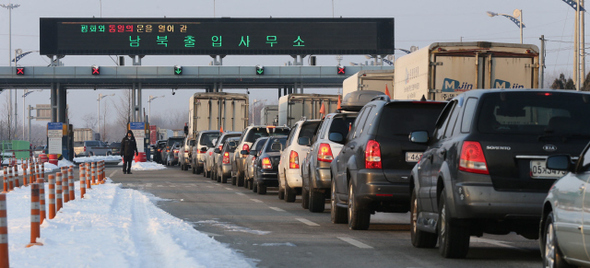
point(238, 193)
point(492, 242)
point(256, 200)
point(211, 234)
point(307, 222)
point(354, 242)
point(113, 173)
point(229, 189)
point(209, 186)
point(277, 209)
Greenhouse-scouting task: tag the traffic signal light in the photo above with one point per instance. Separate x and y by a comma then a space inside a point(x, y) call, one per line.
point(177, 69)
point(95, 70)
point(341, 69)
point(259, 70)
point(20, 70)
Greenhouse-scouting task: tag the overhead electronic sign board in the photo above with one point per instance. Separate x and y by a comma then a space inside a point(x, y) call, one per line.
point(223, 36)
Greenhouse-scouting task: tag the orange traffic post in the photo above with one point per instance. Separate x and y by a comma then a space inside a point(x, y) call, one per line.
point(43, 171)
point(32, 178)
point(5, 179)
point(65, 186)
point(58, 199)
point(82, 180)
point(88, 182)
point(35, 219)
point(93, 172)
point(4, 263)
point(99, 172)
point(72, 193)
point(10, 181)
point(41, 200)
point(51, 197)
point(16, 179)
point(24, 167)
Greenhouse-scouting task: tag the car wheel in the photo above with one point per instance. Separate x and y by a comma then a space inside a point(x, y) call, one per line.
point(552, 256)
point(261, 188)
point(234, 180)
point(254, 186)
point(453, 235)
point(420, 239)
point(304, 198)
point(193, 168)
point(338, 214)
point(246, 182)
point(218, 176)
point(281, 193)
point(223, 177)
point(317, 201)
point(290, 194)
point(240, 181)
point(358, 218)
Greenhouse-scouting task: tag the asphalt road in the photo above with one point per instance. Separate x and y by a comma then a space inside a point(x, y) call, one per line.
point(273, 233)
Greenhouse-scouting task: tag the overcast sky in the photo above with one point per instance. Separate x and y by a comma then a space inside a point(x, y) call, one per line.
point(417, 23)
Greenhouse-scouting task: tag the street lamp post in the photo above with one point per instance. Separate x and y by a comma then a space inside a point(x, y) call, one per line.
point(151, 98)
point(516, 17)
point(100, 97)
point(10, 7)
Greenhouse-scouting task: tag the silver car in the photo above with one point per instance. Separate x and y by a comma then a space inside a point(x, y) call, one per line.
point(210, 155)
point(564, 229)
point(252, 155)
point(223, 161)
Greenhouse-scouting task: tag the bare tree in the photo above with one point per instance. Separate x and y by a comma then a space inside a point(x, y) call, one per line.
point(89, 120)
point(123, 110)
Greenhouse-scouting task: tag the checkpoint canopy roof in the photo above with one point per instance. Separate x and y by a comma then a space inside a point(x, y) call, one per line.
point(216, 36)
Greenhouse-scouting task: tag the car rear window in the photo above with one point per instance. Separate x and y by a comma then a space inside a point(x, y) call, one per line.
point(342, 124)
point(259, 132)
point(207, 138)
point(92, 143)
point(535, 113)
point(259, 143)
point(171, 141)
point(308, 129)
point(275, 144)
point(78, 143)
point(401, 118)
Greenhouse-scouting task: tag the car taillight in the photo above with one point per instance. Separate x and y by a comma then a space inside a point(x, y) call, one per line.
point(202, 152)
point(293, 160)
point(373, 155)
point(325, 153)
point(210, 153)
point(472, 158)
point(175, 151)
point(245, 147)
point(220, 147)
point(167, 151)
point(266, 163)
point(84, 148)
point(226, 158)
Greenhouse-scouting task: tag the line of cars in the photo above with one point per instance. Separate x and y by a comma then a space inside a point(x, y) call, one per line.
point(484, 162)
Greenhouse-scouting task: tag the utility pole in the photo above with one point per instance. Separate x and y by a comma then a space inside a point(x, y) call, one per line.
point(542, 63)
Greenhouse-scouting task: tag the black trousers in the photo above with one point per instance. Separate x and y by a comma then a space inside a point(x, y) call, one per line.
point(127, 159)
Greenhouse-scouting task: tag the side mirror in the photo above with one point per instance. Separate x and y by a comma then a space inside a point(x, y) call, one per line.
point(419, 137)
point(253, 152)
point(203, 149)
point(304, 141)
point(559, 162)
point(336, 137)
point(244, 152)
point(217, 151)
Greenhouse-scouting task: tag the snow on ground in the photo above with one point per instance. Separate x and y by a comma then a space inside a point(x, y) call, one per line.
point(144, 166)
point(108, 158)
point(111, 227)
point(48, 167)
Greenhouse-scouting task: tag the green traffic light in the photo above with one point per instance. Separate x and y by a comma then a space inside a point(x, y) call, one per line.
point(259, 70)
point(177, 70)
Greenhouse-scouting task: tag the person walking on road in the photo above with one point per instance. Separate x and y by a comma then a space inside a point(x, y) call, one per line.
point(128, 149)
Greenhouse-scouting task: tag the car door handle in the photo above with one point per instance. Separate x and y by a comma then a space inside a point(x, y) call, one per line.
point(351, 146)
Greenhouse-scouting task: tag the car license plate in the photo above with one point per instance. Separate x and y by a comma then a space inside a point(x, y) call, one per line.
point(413, 156)
point(539, 170)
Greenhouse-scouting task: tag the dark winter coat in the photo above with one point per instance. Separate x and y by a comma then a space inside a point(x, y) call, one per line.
point(128, 145)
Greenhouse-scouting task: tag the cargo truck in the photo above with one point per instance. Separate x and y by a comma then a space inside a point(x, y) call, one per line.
point(293, 107)
point(269, 114)
point(216, 110)
point(376, 80)
point(444, 70)
point(83, 134)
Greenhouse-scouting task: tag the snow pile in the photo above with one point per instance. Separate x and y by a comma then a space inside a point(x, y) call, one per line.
point(144, 166)
point(108, 158)
point(111, 227)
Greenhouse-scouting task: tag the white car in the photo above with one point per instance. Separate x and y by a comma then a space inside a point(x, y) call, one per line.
point(297, 147)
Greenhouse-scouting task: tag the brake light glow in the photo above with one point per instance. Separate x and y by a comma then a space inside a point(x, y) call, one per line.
point(220, 147)
point(325, 153)
point(84, 148)
point(266, 164)
point(226, 158)
point(472, 158)
point(373, 155)
point(245, 147)
point(293, 160)
point(175, 151)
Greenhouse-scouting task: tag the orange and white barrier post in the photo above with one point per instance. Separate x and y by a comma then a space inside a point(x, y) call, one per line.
point(10, 182)
point(24, 167)
point(93, 172)
point(43, 171)
point(82, 180)
point(51, 197)
point(4, 263)
point(58, 199)
point(32, 178)
point(35, 219)
point(71, 184)
point(16, 179)
point(88, 182)
point(41, 200)
point(5, 179)
point(65, 186)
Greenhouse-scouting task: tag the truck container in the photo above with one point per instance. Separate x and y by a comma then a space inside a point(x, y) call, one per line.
point(216, 110)
point(293, 107)
point(164, 134)
point(377, 80)
point(269, 114)
point(83, 134)
point(444, 70)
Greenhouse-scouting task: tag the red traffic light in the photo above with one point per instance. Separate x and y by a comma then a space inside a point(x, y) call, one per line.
point(341, 70)
point(20, 70)
point(95, 70)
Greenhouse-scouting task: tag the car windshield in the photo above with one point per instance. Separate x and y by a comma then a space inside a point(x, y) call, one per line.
point(227, 136)
point(92, 143)
point(171, 141)
point(258, 132)
point(275, 144)
point(259, 143)
point(207, 138)
point(540, 113)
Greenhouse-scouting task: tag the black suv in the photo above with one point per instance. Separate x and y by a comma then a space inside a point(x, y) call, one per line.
point(372, 171)
point(484, 170)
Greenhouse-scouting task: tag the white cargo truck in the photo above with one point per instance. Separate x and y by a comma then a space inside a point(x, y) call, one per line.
point(216, 110)
point(269, 114)
point(376, 80)
point(83, 134)
point(444, 70)
point(293, 107)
